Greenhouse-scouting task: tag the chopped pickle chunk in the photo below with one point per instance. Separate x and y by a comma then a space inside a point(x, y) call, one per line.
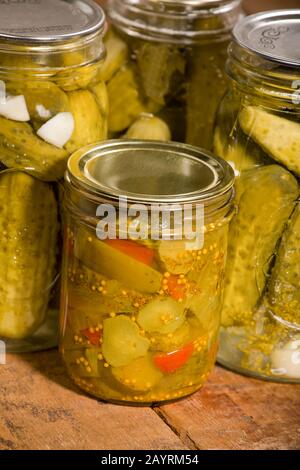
point(122, 342)
point(140, 375)
point(161, 316)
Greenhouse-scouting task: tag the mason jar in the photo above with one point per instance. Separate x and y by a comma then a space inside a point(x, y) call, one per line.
point(258, 133)
point(143, 269)
point(52, 102)
point(166, 67)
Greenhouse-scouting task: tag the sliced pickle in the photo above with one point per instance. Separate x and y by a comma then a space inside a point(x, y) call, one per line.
point(277, 136)
point(122, 342)
point(101, 94)
point(126, 103)
point(21, 149)
point(140, 375)
point(172, 341)
point(75, 78)
point(100, 257)
point(161, 316)
point(161, 69)
point(44, 99)
point(267, 199)
point(176, 256)
point(116, 55)
point(90, 124)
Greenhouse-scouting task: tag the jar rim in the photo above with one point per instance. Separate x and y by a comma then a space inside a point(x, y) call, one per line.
point(173, 21)
point(102, 171)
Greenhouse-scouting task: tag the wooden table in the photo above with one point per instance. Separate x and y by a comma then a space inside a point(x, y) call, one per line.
point(40, 408)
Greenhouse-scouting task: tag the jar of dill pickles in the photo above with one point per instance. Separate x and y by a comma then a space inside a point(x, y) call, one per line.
point(166, 73)
point(258, 132)
point(52, 102)
point(143, 270)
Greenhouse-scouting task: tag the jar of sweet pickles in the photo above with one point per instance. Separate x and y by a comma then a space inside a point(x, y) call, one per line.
point(141, 296)
point(52, 101)
point(258, 132)
point(166, 73)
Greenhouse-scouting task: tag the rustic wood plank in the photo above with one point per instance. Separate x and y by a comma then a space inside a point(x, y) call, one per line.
point(234, 412)
point(41, 409)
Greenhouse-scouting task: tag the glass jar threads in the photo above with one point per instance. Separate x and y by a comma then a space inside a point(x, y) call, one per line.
point(52, 101)
point(141, 298)
point(169, 63)
point(258, 132)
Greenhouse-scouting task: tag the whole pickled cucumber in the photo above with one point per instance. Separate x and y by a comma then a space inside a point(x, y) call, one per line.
point(90, 124)
point(161, 68)
point(266, 200)
point(21, 149)
point(116, 55)
point(206, 87)
point(28, 243)
point(149, 127)
point(277, 136)
point(126, 103)
point(284, 287)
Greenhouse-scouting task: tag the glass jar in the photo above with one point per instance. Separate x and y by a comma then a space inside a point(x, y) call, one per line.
point(258, 132)
point(166, 67)
point(141, 299)
point(52, 101)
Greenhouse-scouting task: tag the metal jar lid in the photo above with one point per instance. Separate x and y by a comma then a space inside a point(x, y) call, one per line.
point(151, 172)
point(36, 21)
point(273, 35)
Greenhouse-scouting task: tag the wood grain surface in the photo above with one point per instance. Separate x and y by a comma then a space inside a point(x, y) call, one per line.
point(40, 408)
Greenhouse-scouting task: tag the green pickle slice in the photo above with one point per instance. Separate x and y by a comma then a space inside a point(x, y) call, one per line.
point(277, 136)
point(284, 286)
point(90, 124)
point(161, 316)
point(21, 149)
point(122, 342)
point(140, 375)
point(267, 199)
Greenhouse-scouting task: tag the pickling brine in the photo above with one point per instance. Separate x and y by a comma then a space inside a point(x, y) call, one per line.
point(52, 101)
point(167, 60)
point(140, 317)
point(258, 133)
